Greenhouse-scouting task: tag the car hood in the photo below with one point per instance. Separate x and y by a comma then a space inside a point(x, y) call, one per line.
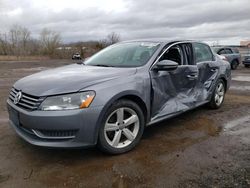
point(67, 79)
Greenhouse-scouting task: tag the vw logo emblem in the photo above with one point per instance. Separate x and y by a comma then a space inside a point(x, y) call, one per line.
point(18, 97)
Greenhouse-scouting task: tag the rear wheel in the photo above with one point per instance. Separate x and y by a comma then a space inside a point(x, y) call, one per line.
point(122, 127)
point(234, 65)
point(218, 95)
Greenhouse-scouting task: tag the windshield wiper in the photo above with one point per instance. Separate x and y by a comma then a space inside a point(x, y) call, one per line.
point(101, 65)
point(80, 63)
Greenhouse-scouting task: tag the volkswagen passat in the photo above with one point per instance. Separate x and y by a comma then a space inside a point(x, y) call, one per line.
point(109, 99)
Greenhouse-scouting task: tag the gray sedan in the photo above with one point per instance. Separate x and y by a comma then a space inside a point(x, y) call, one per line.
point(109, 99)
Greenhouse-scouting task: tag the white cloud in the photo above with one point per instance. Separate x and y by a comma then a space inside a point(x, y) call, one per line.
point(225, 21)
point(60, 5)
point(15, 12)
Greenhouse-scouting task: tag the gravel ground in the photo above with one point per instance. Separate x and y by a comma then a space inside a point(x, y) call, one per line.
point(200, 148)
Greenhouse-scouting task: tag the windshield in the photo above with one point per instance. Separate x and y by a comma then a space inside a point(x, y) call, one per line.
point(133, 54)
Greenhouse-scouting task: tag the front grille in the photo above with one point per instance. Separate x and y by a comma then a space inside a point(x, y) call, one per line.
point(27, 102)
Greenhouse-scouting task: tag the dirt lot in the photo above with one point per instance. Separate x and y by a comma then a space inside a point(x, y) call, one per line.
point(201, 148)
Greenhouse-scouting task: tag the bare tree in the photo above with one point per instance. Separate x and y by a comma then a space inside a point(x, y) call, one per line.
point(50, 40)
point(4, 44)
point(111, 38)
point(34, 47)
point(18, 39)
point(25, 37)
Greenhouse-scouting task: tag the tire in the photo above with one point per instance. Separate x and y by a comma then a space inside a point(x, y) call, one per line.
point(247, 66)
point(234, 65)
point(115, 135)
point(218, 95)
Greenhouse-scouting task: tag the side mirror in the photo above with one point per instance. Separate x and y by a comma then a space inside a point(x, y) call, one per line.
point(165, 65)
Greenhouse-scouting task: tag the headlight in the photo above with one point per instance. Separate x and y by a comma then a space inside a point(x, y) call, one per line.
point(68, 101)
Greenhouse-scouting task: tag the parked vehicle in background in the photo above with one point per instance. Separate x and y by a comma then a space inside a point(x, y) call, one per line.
point(246, 60)
point(222, 57)
point(232, 55)
point(76, 56)
point(108, 100)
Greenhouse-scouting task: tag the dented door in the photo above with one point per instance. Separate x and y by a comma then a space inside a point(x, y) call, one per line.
point(173, 91)
point(208, 72)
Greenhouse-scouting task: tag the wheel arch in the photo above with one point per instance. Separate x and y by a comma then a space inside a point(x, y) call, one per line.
point(129, 95)
point(236, 59)
point(225, 81)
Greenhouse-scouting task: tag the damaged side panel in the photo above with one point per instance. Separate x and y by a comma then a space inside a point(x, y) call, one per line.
point(208, 74)
point(182, 89)
point(173, 91)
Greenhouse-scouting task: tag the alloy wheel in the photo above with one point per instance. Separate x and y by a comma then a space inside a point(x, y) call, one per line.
point(219, 94)
point(121, 127)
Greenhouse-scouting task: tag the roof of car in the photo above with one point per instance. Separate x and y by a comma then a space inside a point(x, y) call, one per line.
point(158, 40)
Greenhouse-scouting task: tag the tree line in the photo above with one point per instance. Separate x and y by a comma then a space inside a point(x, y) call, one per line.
point(18, 41)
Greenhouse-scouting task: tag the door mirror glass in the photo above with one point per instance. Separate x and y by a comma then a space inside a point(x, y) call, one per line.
point(166, 65)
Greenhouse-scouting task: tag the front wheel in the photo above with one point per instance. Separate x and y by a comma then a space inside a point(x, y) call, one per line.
point(218, 95)
point(122, 127)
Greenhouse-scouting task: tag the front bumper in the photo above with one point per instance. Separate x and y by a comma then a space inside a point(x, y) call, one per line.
point(62, 129)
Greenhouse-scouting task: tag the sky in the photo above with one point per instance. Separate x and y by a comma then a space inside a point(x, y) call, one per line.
point(213, 21)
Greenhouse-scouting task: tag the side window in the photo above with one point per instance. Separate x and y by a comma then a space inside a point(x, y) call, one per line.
point(174, 54)
point(188, 54)
point(235, 50)
point(229, 51)
point(222, 52)
point(202, 53)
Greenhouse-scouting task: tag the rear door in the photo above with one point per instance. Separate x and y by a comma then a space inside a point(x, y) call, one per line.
point(174, 91)
point(208, 71)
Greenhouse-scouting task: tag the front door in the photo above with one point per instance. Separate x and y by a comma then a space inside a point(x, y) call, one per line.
point(174, 91)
